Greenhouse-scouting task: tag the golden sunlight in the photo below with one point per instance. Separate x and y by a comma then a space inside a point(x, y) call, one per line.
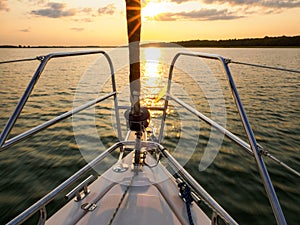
point(152, 65)
point(151, 10)
point(152, 78)
point(152, 70)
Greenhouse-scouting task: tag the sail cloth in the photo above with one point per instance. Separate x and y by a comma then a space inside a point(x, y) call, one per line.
point(133, 15)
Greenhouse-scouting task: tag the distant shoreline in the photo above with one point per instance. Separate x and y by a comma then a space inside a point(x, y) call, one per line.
point(55, 46)
point(266, 42)
point(154, 45)
point(282, 41)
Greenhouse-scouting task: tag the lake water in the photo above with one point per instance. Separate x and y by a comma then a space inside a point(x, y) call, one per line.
point(31, 169)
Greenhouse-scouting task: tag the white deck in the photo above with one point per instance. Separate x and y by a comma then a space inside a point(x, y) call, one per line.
point(151, 199)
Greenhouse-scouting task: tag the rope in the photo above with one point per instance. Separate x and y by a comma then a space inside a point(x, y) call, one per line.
point(121, 200)
point(22, 60)
point(186, 195)
point(266, 67)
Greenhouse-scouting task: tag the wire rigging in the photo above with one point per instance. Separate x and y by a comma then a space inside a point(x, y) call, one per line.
point(264, 66)
point(22, 60)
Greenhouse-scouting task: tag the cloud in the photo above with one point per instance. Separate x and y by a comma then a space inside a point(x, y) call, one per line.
point(180, 1)
point(54, 10)
point(202, 14)
point(87, 10)
point(4, 5)
point(77, 29)
point(110, 9)
point(24, 30)
point(87, 20)
point(261, 3)
point(36, 2)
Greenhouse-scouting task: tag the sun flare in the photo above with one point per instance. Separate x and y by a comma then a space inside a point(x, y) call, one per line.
point(151, 10)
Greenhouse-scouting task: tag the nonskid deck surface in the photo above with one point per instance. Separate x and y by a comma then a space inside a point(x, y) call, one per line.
point(152, 198)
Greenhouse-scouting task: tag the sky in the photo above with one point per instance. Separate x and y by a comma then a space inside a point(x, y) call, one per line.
point(103, 22)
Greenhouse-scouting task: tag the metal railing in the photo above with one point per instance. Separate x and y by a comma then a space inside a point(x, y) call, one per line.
point(4, 143)
point(254, 149)
point(197, 188)
point(71, 180)
point(232, 136)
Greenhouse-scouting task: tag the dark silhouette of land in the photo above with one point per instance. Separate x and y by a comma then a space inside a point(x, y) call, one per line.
point(269, 42)
point(54, 46)
point(282, 41)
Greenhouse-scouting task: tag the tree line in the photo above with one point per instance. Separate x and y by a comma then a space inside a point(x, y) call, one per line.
point(282, 41)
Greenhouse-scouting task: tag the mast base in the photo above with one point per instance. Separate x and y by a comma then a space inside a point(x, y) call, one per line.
point(138, 122)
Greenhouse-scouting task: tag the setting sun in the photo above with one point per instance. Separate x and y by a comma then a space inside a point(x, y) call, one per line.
point(151, 10)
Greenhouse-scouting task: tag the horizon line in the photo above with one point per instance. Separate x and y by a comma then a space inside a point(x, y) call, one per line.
point(142, 43)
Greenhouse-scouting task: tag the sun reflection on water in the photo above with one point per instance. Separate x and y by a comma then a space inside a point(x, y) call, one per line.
point(152, 66)
point(152, 72)
point(153, 78)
